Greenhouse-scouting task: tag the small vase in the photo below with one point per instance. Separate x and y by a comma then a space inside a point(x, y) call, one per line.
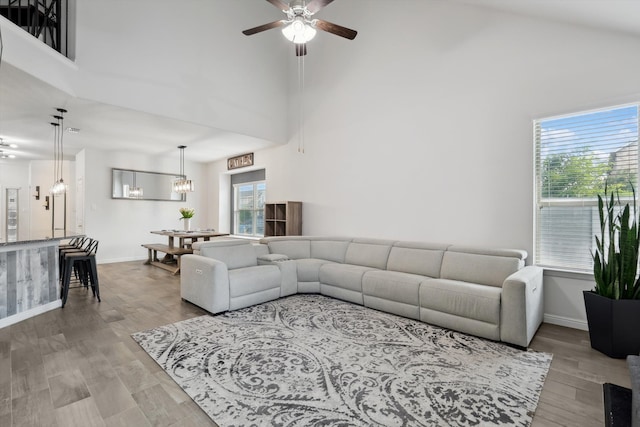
point(187, 224)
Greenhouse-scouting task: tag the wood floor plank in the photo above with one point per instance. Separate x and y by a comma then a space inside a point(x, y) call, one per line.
point(135, 376)
point(83, 413)
point(34, 409)
point(112, 397)
point(125, 387)
point(67, 388)
point(128, 418)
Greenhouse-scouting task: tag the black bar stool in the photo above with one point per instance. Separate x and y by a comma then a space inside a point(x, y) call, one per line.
point(77, 245)
point(84, 263)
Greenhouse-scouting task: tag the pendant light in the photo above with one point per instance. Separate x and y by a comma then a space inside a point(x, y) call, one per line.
point(58, 187)
point(182, 185)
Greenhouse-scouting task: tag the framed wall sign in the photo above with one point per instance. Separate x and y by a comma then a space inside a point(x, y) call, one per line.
point(240, 161)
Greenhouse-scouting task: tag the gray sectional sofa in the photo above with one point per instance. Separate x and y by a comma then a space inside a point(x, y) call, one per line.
point(481, 291)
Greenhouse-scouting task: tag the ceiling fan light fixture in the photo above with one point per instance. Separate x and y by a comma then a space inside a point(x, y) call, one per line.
point(299, 31)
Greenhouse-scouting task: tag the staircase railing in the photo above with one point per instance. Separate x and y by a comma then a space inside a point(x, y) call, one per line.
point(47, 20)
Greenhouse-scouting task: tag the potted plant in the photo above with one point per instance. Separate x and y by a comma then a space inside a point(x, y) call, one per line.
point(187, 214)
point(613, 307)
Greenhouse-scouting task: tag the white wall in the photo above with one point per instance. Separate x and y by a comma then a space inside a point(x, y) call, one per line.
point(421, 128)
point(121, 226)
point(186, 60)
point(34, 219)
point(41, 174)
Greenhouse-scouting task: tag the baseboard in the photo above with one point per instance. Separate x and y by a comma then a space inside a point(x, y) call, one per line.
point(566, 322)
point(128, 259)
point(19, 317)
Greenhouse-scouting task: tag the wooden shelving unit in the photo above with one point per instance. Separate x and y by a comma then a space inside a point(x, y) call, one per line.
point(283, 219)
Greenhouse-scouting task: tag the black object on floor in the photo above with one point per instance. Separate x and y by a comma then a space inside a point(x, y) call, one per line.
point(617, 405)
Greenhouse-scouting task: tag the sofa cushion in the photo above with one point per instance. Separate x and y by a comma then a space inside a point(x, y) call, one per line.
point(344, 276)
point(294, 249)
point(416, 258)
point(329, 249)
point(393, 286)
point(486, 269)
point(248, 280)
point(233, 254)
point(309, 269)
point(462, 299)
point(369, 253)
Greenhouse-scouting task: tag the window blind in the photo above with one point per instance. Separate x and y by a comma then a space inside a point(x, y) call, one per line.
point(575, 156)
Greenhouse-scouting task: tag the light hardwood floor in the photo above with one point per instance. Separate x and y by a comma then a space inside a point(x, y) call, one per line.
point(78, 366)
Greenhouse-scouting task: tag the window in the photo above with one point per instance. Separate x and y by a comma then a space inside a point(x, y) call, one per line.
point(575, 156)
point(248, 210)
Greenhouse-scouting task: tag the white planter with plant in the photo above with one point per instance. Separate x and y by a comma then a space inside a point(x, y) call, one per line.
point(187, 214)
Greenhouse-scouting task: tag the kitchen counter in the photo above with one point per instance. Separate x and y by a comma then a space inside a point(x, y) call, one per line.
point(35, 240)
point(28, 278)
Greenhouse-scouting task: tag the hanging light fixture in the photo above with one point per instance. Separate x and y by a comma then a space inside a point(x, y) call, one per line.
point(7, 145)
point(58, 187)
point(299, 31)
point(182, 185)
point(4, 155)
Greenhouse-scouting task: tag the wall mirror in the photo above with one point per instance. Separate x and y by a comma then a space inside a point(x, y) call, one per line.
point(140, 185)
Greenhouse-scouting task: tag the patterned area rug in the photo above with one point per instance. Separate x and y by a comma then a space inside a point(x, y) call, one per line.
point(309, 360)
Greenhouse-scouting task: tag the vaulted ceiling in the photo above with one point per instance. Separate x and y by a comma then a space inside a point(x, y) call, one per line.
point(27, 102)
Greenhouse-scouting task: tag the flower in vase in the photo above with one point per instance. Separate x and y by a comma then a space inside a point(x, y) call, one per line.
point(186, 213)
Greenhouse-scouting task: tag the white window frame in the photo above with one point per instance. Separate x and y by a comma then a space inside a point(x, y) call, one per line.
point(549, 212)
point(255, 211)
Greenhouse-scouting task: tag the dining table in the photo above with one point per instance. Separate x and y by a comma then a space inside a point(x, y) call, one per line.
point(179, 243)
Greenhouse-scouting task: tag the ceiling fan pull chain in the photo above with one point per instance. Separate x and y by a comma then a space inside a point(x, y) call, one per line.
point(301, 104)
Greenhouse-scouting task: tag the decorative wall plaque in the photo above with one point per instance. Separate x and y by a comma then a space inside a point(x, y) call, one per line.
point(240, 161)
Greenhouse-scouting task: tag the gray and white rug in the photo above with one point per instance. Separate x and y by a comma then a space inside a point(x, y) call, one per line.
point(309, 360)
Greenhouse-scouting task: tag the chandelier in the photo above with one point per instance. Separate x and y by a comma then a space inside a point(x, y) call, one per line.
point(58, 187)
point(182, 185)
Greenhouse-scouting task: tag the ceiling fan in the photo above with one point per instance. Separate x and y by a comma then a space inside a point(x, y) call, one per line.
point(299, 27)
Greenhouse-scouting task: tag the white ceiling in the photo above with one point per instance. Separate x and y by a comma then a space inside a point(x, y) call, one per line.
point(27, 106)
point(107, 127)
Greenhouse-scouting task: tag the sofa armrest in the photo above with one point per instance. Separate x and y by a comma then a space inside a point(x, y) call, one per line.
point(633, 362)
point(204, 282)
point(288, 270)
point(271, 259)
point(261, 249)
point(521, 306)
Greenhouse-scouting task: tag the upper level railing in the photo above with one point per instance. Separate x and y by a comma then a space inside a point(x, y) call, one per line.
point(47, 20)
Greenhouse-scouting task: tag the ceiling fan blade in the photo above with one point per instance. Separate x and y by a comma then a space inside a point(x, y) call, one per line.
point(264, 27)
point(338, 30)
point(316, 5)
point(301, 49)
point(280, 5)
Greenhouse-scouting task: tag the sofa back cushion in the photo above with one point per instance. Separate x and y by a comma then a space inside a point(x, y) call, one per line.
point(234, 254)
point(294, 248)
point(369, 253)
point(416, 258)
point(329, 249)
point(478, 265)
